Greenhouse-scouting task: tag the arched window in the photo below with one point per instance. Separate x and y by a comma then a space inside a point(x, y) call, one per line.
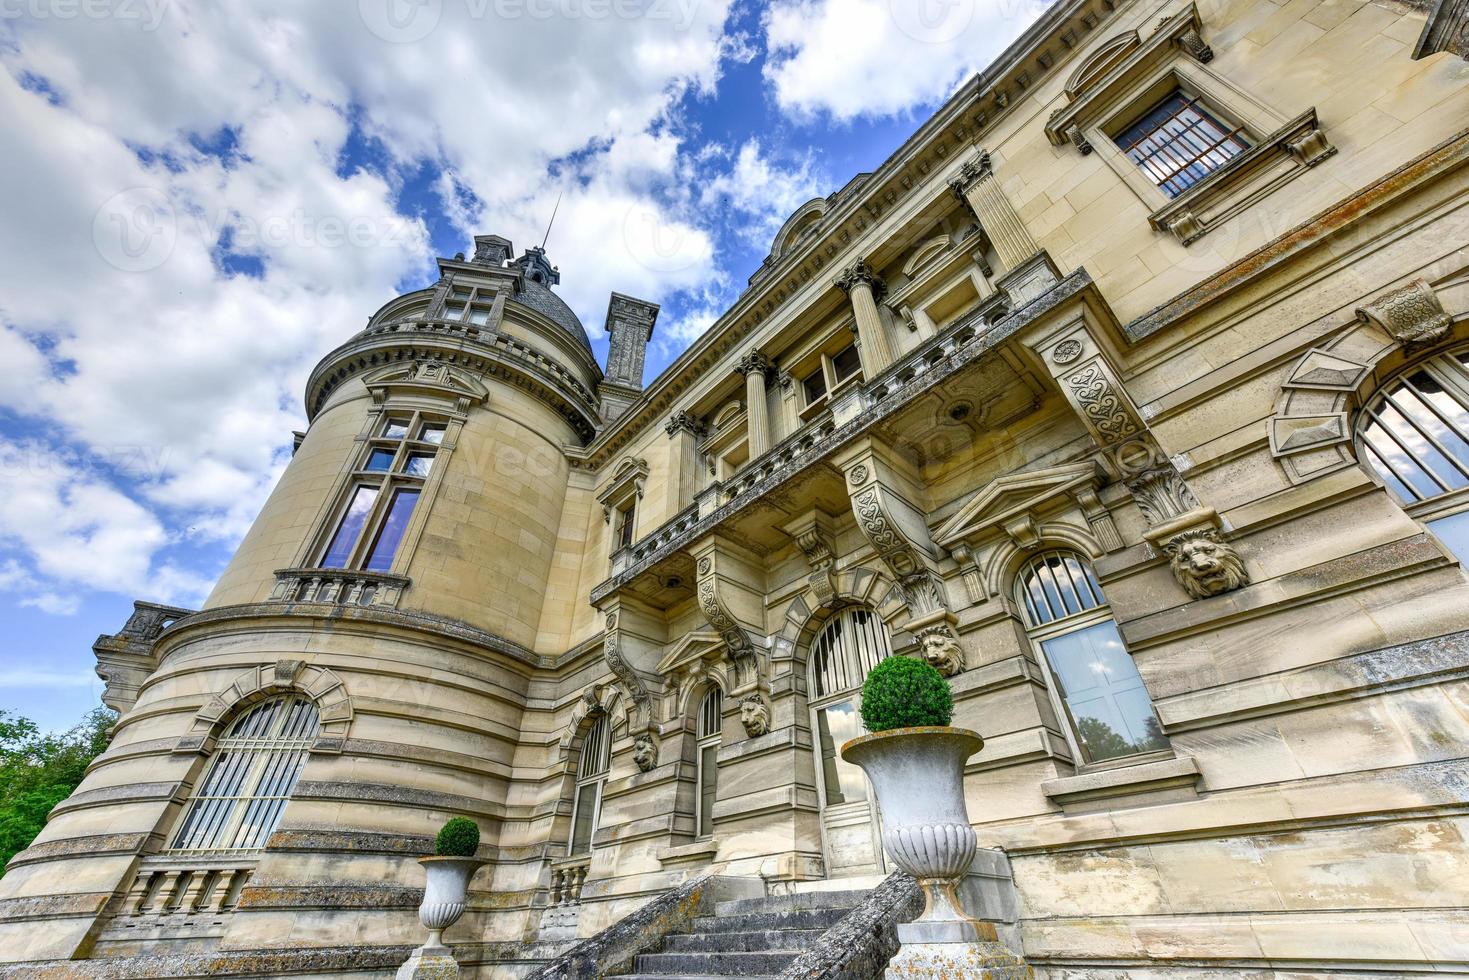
point(1094, 683)
point(591, 773)
point(256, 763)
point(711, 721)
point(850, 645)
point(1414, 436)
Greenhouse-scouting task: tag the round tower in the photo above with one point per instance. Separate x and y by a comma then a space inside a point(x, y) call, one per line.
point(368, 654)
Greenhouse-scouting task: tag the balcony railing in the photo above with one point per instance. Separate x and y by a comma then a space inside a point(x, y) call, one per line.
point(567, 877)
point(338, 587)
point(188, 885)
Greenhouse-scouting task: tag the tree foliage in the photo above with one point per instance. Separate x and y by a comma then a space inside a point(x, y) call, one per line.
point(38, 771)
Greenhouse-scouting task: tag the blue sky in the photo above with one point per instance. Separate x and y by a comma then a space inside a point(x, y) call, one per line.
point(201, 199)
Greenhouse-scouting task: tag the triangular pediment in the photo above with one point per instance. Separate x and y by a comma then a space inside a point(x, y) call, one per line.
point(695, 645)
point(1014, 495)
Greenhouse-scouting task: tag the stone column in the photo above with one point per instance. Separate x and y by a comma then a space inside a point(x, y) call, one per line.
point(684, 432)
point(977, 187)
point(862, 287)
point(1025, 269)
point(754, 366)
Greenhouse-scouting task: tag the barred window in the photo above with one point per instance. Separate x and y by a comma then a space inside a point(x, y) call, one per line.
point(255, 765)
point(1095, 687)
point(1178, 142)
point(711, 721)
point(1414, 436)
point(850, 645)
point(591, 773)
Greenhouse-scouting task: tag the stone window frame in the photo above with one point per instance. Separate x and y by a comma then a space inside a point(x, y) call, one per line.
point(1440, 506)
point(821, 359)
point(585, 778)
point(620, 499)
point(727, 438)
point(1036, 634)
point(1126, 77)
point(703, 740)
point(423, 390)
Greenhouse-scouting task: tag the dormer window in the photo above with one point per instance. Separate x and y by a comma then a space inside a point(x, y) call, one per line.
point(1178, 142)
point(469, 304)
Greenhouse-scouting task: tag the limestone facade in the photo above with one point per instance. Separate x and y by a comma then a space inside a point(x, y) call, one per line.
point(1099, 446)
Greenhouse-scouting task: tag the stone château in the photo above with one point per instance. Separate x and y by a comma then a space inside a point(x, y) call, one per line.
point(1131, 391)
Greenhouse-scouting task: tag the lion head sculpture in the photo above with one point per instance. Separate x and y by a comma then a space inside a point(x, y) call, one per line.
point(1204, 565)
point(754, 715)
point(645, 753)
point(942, 651)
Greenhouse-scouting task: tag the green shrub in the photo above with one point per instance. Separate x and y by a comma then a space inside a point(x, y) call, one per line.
point(902, 692)
point(458, 838)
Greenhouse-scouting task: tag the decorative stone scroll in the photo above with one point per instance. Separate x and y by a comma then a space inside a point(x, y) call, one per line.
point(813, 534)
point(640, 703)
point(739, 648)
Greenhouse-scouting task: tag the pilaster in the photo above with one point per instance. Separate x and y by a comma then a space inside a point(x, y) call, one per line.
point(1026, 270)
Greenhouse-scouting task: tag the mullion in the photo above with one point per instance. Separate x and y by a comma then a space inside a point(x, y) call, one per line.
point(1423, 430)
point(1459, 429)
point(1412, 457)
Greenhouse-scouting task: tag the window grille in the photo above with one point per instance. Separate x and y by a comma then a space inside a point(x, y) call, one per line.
point(850, 645)
point(1177, 143)
point(255, 765)
point(591, 772)
point(711, 722)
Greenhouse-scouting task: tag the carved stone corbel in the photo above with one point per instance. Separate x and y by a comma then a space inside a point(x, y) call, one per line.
point(813, 535)
point(1203, 563)
point(639, 701)
point(1411, 314)
point(740, 649)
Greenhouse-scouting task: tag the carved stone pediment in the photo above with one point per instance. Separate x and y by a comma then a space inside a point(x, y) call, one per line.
point(629, 477)
point(427, 379)
point(1007, 501)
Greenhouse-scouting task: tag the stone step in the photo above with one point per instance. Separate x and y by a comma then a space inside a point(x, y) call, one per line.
point(716, 964)
point(764, 921)
point(788, 903)
point(760, 941)
point(694, 976)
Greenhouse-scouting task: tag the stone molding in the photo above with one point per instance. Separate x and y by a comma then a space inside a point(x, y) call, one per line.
point(1311, 431)
point(125, 659)
point(320, 684)
point(427, 378)
point(596, 700)
point(629, 478)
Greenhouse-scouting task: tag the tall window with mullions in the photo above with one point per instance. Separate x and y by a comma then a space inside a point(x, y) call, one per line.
point(1179, 142)
point(711, 721)
point(256, 763)
point(1414, 436)
point(1095, 686)
point(591, 773)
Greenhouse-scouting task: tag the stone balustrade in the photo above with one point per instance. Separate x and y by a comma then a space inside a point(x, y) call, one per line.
point(187, 885)
point(567, 877)
point(338, 586)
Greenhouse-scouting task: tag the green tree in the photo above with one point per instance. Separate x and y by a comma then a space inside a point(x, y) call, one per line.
point(38, 771)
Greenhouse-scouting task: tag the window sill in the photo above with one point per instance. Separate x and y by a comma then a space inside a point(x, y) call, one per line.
point(697, 854)
point(339, 587)
point(1245, 180)
point(1143, 784)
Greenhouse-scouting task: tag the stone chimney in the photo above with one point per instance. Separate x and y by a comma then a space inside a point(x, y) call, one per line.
point(629, 328)
point(492, 250)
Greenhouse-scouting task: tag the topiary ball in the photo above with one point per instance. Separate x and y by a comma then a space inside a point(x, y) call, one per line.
point(458, 838)
point(902, 692)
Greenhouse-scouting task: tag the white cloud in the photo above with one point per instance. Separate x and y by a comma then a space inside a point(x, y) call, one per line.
point(850, 58)
point(763, 192)
point(133, 149)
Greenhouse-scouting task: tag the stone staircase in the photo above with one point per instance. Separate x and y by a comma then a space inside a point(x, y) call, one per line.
point(753, 938)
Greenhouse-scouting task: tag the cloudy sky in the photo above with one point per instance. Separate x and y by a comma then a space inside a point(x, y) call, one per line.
point(201, 198)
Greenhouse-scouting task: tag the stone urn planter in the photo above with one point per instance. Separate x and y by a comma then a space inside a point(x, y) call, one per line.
point(444, 897)
point(918, 775)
